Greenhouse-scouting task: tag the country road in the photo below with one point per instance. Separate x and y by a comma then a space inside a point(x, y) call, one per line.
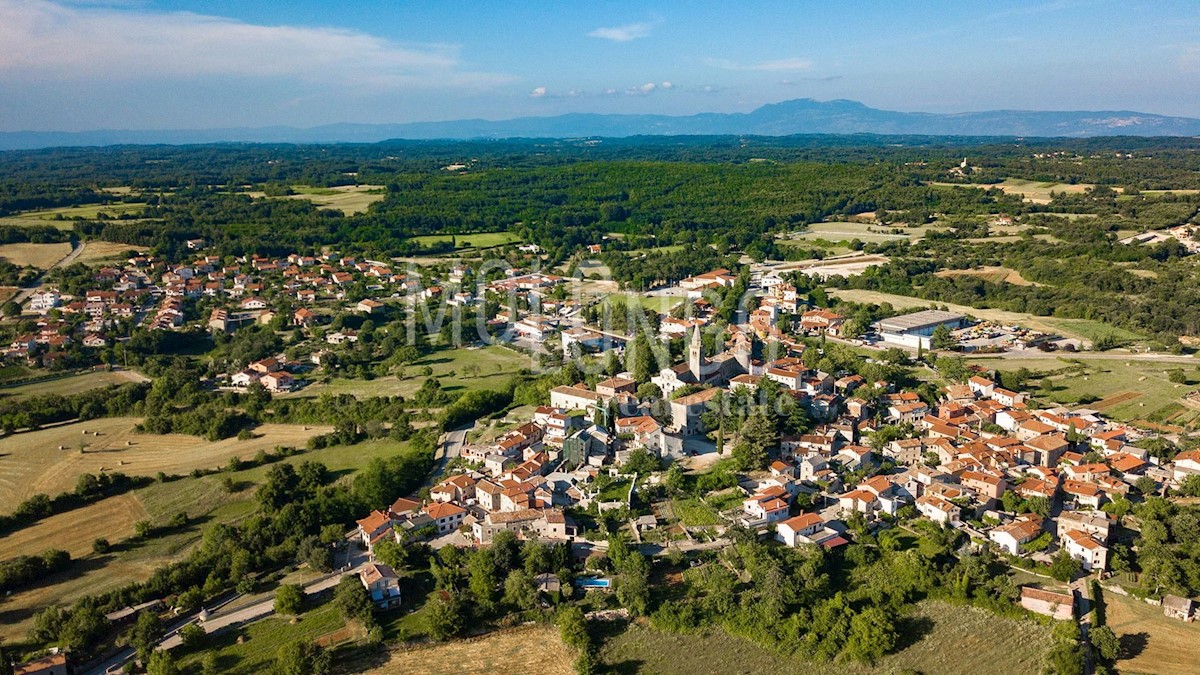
point(1036, 354)
point(217, 621)
point(23, 294)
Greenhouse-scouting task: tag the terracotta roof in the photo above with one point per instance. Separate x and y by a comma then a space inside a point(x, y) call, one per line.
point(443, 510)
point(803, 521)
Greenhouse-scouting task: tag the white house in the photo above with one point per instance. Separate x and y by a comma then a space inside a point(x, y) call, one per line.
point(1012, 536)
point(937, 509)
point(793, 530)
point(1082, 547)
point(448, 517)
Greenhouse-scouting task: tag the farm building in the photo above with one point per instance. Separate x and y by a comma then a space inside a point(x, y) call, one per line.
point(1048, 603)
point(914, 330)
point(1176, 607)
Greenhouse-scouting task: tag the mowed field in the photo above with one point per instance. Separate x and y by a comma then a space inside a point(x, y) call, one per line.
point(995, 275)
point(73, 384)
point(848, 231)
point(1031, 191)
point(68, 213)
point(1152, 643)
point(531, 649)
point(205, 500)
point(349, 199)
point(32, 462)
point(41, 256)
point(462, 241)
point(99, 252)
point(944, 639)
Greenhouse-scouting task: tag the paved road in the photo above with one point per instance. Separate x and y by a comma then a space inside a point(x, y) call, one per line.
point(452, 445)
point(1033, 354)
point(23, 294)
point(219, 621)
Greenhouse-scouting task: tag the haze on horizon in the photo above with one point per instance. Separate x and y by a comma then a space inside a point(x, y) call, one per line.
point(74, 65)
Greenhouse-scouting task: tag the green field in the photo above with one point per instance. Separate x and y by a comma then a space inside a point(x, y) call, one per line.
point(205, 500)
point(69, 213)
point(1031, 191)
point(695, 513)
point(261, 640)
point(496, 365)
point(72, 384)
point(467, 241)
point(844, 231)
point(1126, 390)
point(349, 199)
point(943, 639)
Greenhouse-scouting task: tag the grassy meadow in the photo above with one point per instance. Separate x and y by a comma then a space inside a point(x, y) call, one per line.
point(939, 639)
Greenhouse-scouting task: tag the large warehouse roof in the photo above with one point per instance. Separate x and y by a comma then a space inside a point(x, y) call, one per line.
point(918, 320)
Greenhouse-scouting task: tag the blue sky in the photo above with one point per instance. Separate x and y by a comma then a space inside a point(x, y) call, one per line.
point(145, 64)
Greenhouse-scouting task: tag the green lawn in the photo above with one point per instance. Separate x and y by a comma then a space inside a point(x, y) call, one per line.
point(617, 491)
point(463, 241)
point(261, 640)
point(496, 365)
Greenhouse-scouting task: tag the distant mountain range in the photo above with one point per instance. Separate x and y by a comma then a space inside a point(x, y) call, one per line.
point(800, 116)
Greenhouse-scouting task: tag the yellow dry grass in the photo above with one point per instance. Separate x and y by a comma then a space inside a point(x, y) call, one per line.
point(992, 274)
point(41, 256)
point(111, 518)
point(95, 252)
point(32, 462)
point(74, 532)
point(1152, 642)
point(349, 199)
point(530, 649)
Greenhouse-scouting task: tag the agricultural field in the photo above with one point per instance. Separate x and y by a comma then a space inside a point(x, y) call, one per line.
point(349, 199)
point(33, 462)
point(496, 365)
point(839, 231)
point(942, 639)
point(1083, 329)
point(261, 640)
point(531, 649)
point(205, 500)
point(41, 256)
point(72, 384)
point(106, 252)
point(995, 275)
point(1033, 192)
point(68, 214)
point(467, 241)
point(1150, 642)
point(1126, 390)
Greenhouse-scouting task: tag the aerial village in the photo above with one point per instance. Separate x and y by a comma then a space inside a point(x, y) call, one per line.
point(1027, 482)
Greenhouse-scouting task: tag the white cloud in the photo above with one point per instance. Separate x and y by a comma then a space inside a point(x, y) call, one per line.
point(626, 33)
point(666, 85)
point(47, 39)
point(539, 92)
point(1189, 59)
point(776, 66)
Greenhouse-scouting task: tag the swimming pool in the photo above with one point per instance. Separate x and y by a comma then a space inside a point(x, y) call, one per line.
point(588, 583)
